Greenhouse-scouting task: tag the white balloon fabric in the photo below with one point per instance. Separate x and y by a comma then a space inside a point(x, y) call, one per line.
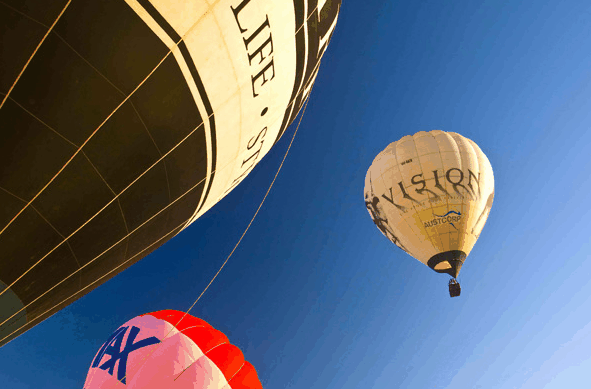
point(430, 194)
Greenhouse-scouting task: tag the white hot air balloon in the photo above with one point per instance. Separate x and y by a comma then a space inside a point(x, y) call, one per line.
point(430, 194)
point(123, 121)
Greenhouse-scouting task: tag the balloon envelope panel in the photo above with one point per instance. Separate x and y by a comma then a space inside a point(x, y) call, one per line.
point(129, 121)
point(430, 194)
point(164, 350)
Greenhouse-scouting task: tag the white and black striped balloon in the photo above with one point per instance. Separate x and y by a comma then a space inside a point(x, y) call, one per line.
point(123, 121)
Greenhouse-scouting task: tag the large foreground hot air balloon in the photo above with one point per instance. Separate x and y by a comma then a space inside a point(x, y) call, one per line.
point(121, 122)
point(430, 194)
point(164, 350)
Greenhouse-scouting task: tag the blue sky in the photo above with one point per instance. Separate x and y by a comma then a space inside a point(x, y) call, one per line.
point(315, 295)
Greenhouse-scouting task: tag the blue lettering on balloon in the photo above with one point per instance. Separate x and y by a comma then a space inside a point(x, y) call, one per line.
point(112, 347)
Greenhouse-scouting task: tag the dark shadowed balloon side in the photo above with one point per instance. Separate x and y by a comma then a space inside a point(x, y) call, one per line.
point(122, 122)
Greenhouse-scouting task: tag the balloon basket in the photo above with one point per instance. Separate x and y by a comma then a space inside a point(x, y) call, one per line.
point(454, 288)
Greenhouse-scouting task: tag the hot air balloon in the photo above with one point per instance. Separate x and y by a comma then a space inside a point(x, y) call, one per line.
point(166, 350)
point(123, 121)
point(430, 194)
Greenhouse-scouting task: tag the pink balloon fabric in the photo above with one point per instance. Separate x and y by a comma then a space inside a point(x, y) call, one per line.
point(159, 350)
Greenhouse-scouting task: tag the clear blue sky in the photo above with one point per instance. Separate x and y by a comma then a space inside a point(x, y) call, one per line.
point(315, 296)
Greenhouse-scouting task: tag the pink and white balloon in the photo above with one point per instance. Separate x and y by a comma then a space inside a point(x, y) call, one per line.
point(166, 350)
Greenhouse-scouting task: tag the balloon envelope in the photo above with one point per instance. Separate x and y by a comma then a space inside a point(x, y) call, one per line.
point(124, 121)
point(430, 194)
point(159, 350)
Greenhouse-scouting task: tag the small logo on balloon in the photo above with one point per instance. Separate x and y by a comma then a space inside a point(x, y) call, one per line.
point(451, 217)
